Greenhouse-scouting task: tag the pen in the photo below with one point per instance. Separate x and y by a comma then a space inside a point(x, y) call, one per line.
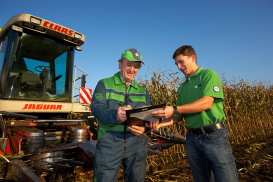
point(121, 105)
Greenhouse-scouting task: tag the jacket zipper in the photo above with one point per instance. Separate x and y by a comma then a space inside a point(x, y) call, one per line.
point(124, 133)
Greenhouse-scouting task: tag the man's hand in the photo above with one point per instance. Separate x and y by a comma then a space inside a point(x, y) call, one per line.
point(154, 125)
point(121, 116)
point(166, 113)
point(136, 130)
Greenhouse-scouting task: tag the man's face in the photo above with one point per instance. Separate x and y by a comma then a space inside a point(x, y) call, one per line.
point(128, 69)
point(186, 64)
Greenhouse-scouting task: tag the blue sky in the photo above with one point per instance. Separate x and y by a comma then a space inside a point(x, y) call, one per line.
point(233, 37)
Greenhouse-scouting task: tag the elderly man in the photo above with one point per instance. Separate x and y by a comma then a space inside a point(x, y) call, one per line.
point(116, 141)
point(200, 102)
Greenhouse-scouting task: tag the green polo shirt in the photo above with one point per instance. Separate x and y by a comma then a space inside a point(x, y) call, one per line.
point(205, 82)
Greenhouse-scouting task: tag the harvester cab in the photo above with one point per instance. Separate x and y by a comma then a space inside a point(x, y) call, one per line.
point(37, 106)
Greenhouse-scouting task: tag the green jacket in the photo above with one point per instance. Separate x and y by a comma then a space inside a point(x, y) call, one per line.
point(108, 93)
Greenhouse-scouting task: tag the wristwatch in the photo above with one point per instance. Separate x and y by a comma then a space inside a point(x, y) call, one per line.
point(175, 111)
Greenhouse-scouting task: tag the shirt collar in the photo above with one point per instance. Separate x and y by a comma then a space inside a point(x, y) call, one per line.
point(129, 83)
point(198, 72)
point(119, 80)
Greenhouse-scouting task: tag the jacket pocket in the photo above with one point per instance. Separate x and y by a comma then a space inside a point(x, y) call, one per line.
point(114, 96)
point(138, 99)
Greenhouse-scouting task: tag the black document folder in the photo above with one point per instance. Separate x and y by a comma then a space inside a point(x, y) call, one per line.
point(142, 115)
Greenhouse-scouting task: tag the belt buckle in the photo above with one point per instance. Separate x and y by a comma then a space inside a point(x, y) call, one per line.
point(219, 125)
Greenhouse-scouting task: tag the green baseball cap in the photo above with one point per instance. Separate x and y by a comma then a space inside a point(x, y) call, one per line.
point(132, 55)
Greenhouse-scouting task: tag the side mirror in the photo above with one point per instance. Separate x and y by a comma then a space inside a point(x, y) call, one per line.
point(78, 48)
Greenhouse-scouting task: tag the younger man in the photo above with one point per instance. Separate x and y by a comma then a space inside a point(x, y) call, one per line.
point(200, 102)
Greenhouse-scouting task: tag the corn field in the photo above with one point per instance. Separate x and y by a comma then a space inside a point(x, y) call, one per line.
point(248, 106)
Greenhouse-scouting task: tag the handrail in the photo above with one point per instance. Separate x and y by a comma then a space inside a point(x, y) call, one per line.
point(75, 81)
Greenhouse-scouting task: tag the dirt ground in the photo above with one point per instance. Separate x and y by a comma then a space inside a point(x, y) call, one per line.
point(254, 161)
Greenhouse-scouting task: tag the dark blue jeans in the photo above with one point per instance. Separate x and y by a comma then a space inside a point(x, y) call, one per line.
point(208, 152)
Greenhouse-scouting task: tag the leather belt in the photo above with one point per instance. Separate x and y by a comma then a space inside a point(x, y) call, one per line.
point(206, 129)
